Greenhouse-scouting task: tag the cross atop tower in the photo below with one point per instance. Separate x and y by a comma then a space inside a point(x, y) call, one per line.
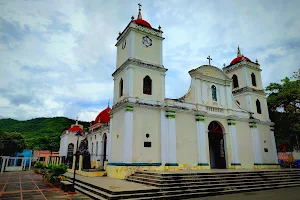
point(209, 59)
point(140, 14)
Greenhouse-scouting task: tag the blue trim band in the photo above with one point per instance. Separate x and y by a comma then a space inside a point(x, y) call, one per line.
point(203, 164)
point(171, 164)
point(265, 164)
point(236, 164)
point(133, 164)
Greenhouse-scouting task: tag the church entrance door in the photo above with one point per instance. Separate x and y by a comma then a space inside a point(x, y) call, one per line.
point(216, 146)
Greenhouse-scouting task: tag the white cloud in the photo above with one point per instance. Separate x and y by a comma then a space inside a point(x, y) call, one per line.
point(57, 57)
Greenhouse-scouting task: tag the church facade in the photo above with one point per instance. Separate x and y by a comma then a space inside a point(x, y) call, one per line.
point(221, 122)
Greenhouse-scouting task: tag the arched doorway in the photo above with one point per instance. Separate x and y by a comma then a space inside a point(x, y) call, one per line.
point(104, 149)
point(216, 146)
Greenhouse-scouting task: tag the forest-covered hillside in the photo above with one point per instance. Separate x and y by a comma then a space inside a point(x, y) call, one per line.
point(39, 132)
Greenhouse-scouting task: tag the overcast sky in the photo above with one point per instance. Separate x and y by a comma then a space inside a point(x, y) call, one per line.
point(57, 57)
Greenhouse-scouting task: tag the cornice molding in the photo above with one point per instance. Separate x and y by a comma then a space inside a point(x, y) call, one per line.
point(248, 89)
point(243, 63)
point(139, 63)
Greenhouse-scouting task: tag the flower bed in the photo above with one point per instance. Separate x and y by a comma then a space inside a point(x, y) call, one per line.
point(51, 173)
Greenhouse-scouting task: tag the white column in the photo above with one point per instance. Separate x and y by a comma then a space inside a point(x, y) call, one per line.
point(234, 144)
point(228, 96)
point(131, 46)
point(163, 94)
point(197, 87)
point(256, 143)
point(130, 82)
point(128, 134)
point(164, 138)
point(201, 141)
point(171, 135)
point(274, 145)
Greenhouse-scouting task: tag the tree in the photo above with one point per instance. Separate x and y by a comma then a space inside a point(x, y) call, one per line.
point(284, 106)
point(11, 143)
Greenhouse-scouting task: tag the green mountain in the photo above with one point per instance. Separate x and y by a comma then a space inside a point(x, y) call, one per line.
point(39, 133)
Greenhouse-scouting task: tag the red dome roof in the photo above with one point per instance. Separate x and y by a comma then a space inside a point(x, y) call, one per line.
point(75, 129)
point(103, 116)
point(238, 59)
point(142, 22)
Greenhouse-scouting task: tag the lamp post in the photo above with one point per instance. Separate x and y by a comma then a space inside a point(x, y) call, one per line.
point(51, 147)
point(78, 134)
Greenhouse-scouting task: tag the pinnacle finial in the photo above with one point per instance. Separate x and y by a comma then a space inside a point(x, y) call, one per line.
point(140, 14)
point(120, 33)
point(159, 27)
point(224, 65)
point(77, 120)
point(256, 61)
point(132, 18)
point(239, 52)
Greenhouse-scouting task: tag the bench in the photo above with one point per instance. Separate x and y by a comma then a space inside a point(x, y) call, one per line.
point(66, 186)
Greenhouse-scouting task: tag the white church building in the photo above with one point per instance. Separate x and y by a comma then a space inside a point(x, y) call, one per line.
point(221, 122)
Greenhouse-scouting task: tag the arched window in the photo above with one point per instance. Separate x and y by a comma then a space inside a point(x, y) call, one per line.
point(147, 85)
point(235, 81)
point(70, 150)
point(258, 107)
point(214, 93)
point(253, 79)
point(92, 149)
point(97, 148)
point(121, 87)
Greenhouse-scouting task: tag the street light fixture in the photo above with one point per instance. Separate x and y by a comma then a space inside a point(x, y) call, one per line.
point(78, 134)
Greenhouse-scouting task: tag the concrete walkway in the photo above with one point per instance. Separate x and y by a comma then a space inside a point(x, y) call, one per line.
point(114, 185)
point(28, 185)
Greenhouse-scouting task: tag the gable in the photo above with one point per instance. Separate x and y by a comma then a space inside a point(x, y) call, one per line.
point(209, 72)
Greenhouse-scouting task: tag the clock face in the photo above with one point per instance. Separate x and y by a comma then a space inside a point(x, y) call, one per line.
point(147, 41)
point(124, 44)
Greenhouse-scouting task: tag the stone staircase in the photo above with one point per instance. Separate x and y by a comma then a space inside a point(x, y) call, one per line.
point(184, 185)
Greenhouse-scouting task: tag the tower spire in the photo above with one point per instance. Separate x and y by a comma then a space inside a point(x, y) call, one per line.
point(239, 52)
point(108, 102)
point(140, 14)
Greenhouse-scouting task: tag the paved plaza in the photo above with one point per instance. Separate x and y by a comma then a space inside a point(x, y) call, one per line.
point(28, 185)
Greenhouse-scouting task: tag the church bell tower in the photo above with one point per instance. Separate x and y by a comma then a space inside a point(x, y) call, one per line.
point(139, 67)
point(247, 86)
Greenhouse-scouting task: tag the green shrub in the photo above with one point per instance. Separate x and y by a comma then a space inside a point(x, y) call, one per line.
point(59, 169)
point(39, 165)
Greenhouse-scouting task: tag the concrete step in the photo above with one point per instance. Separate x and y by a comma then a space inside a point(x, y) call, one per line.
point(277, 173)
point(184, 195)
point(109, 192)
point(188, 178)
point(193, 185)
point(174, 194)
point(170, 179)
point(89, 194)
point(195, 180)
